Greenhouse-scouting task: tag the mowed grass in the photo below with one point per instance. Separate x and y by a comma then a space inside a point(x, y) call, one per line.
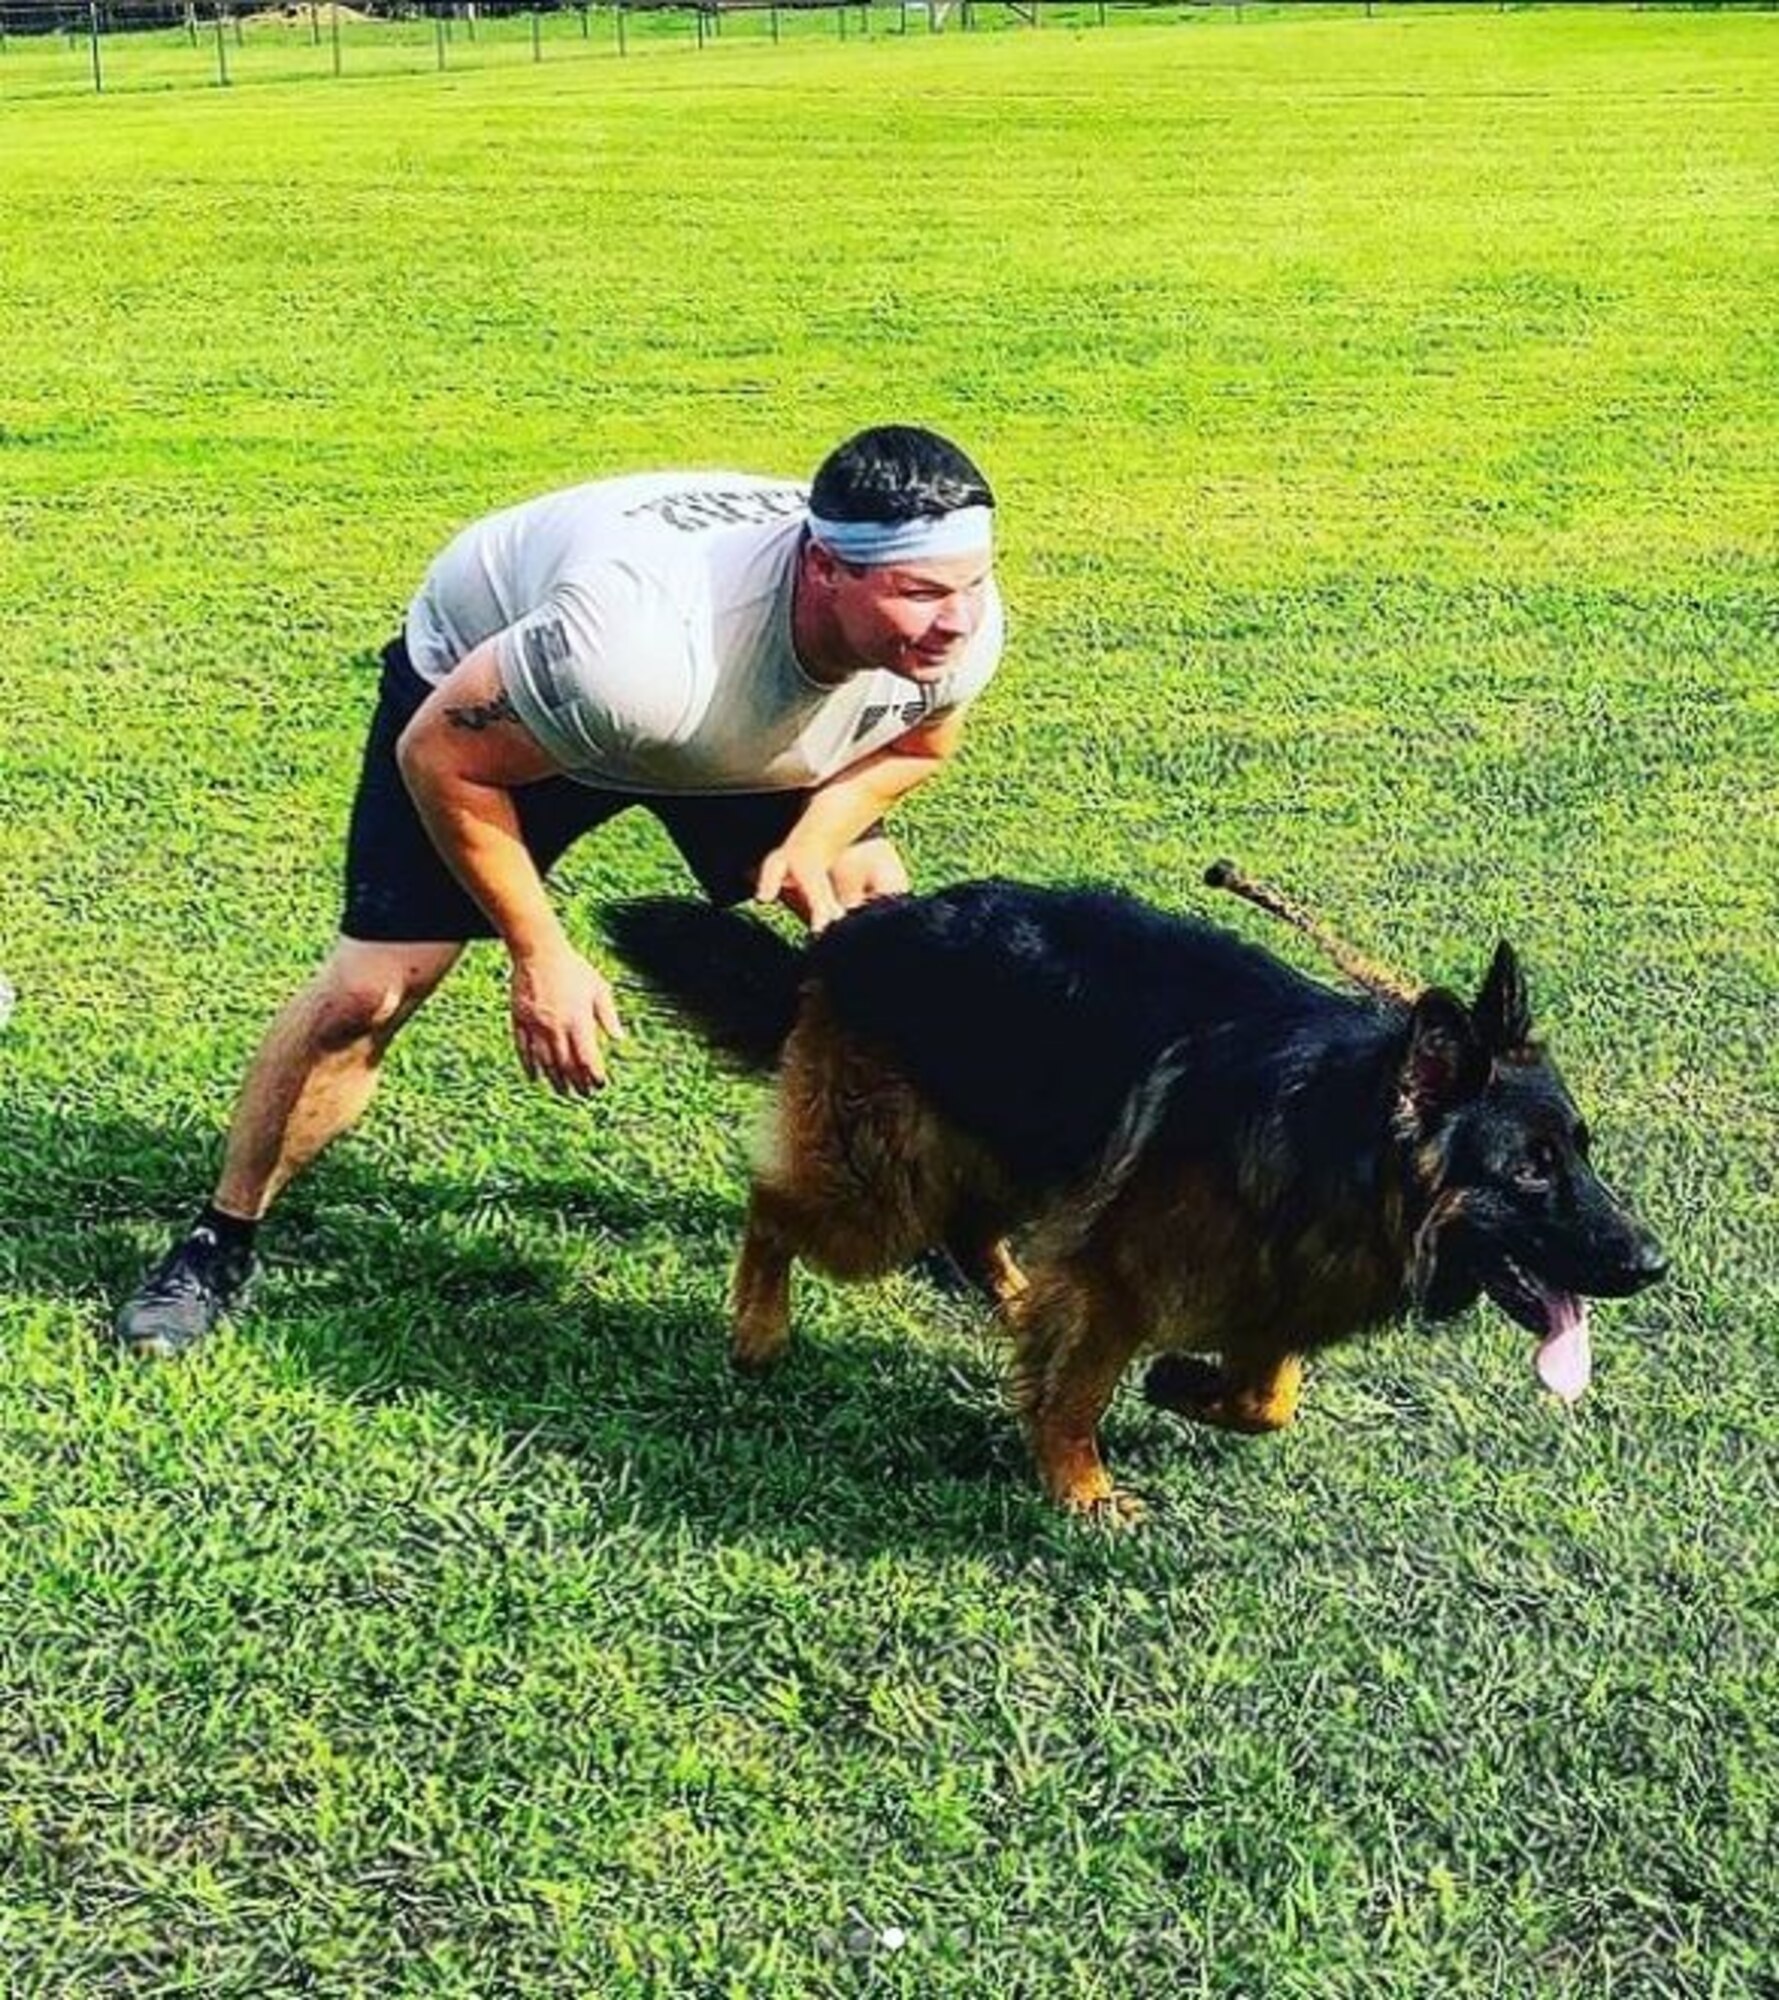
point(1383, 419)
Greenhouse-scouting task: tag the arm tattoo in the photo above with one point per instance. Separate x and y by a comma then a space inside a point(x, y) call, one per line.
point(482, 714)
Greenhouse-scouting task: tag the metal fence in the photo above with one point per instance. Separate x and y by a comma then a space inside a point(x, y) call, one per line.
point(50, 47)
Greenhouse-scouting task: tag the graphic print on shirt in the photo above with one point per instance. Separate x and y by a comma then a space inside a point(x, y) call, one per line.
point(721, 507)
point(907, 713)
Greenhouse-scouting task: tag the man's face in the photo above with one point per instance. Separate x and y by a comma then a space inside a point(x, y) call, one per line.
point(915, 619)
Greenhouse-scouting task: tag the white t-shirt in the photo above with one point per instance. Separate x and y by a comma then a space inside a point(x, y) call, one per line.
point(645, 636)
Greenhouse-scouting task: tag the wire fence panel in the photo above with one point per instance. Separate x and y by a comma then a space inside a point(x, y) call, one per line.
point(52, 47)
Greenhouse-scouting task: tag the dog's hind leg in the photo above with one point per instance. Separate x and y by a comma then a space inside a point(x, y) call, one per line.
point(824, 1225)
point(1245, 1394)
point(1076, 1334)
point(762, 1290)
point(843, 1182)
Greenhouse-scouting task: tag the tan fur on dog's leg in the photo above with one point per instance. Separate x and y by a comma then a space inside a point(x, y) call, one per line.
point(988, 1261)
point(1075, 1341)
point(1265, 1397)
point(762, 1293)
point(1001, 1271)
point(1246, 1394)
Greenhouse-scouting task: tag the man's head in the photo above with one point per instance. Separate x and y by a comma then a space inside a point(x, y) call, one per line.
point(896, 570)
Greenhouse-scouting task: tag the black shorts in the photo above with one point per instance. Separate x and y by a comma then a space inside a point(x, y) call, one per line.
point(399, 889)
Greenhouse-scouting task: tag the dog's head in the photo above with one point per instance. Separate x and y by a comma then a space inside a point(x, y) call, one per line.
point(1513, 1207)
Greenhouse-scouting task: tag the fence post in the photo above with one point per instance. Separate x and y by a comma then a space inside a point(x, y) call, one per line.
point(438, 31)
point(620, 10)
point(775, 20)
point(333, 14)
point(222, 50)
point(585, 29)
point(537, 36)
point(314, 24)
point(92, 19)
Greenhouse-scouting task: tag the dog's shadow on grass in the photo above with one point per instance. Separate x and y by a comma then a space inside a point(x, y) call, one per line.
point(400, 1286)
point(853, 1443)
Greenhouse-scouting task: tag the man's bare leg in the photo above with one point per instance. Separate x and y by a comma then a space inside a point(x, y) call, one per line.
point(315, 1072)
point(316, 1069)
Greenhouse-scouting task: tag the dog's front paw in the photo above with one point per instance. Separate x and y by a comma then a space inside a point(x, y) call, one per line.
point(1184, 1383)
point(1080, 1485)
point(1114, 1509)
point(1121, 1511)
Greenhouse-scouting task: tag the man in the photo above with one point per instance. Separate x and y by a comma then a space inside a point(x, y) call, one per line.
point(767, 671)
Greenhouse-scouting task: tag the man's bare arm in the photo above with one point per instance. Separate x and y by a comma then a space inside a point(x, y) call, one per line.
point(461, 757)
point(840, 810)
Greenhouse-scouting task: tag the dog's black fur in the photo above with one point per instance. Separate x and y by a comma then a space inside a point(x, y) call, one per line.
point(1148, 1085)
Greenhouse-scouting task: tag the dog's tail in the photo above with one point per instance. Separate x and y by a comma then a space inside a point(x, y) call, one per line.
point(730, 978)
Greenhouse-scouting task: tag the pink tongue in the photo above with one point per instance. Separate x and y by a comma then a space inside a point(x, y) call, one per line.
point(1564, 1363)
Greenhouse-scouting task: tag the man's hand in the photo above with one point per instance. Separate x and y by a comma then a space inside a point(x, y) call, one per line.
point(797, 874)
point(832, 861)
point(561, 1006)
point(867, 870)
point(819, 892)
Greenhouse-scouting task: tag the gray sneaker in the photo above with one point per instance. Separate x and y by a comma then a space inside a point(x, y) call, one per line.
point(196, 1284)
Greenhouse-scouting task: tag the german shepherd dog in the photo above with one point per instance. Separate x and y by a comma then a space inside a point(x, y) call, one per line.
point(1202, 1150)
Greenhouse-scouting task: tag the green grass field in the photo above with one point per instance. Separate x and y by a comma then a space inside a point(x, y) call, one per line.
point(1384, 420)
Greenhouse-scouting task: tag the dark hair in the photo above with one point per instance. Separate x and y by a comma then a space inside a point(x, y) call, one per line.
point(896, 472)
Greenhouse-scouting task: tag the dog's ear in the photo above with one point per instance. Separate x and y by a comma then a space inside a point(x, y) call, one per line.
point(1503, 1010)
point(1446, 1062)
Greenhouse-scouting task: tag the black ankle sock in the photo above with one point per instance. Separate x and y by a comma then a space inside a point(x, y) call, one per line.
point(232, 1232)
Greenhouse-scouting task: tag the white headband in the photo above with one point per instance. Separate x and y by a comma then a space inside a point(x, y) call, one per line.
point(965, 531)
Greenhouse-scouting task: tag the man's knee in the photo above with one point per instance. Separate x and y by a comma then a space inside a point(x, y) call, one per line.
point(365, 992)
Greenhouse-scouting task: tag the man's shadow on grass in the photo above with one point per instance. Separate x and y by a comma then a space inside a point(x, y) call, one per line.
point(386, 1284)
